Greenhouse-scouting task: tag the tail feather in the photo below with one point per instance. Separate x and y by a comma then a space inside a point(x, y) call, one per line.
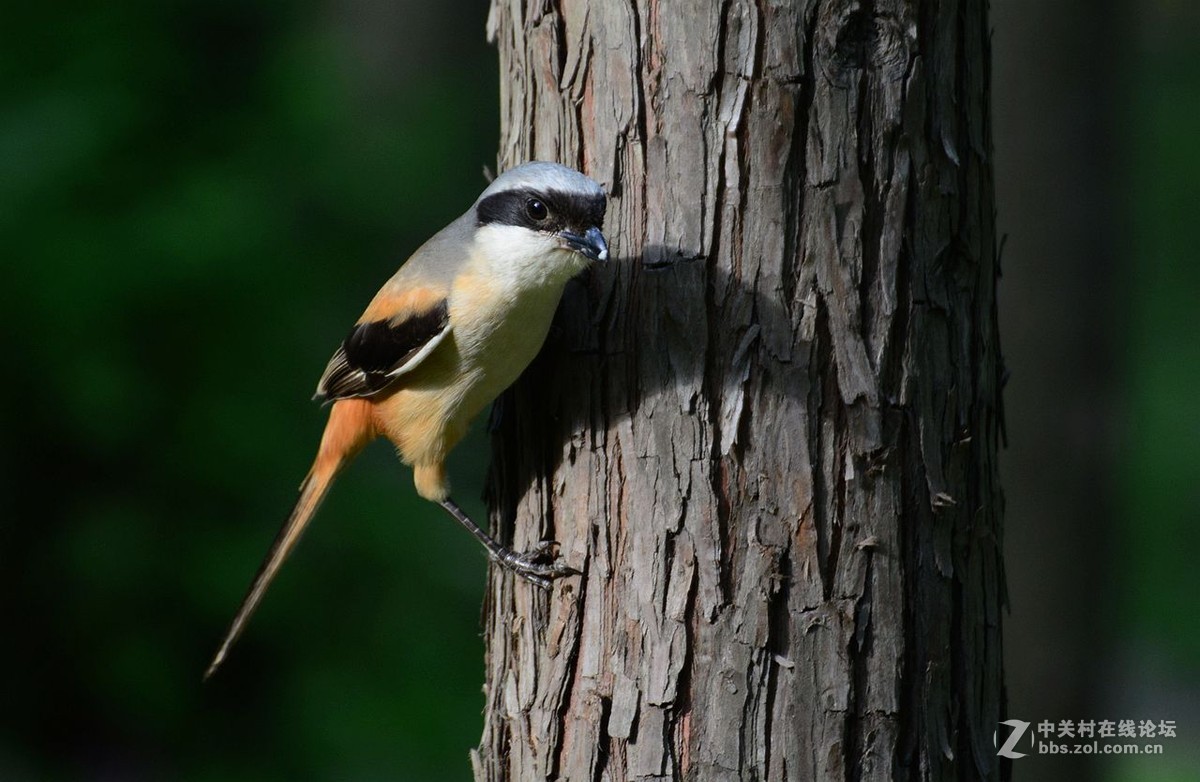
point(349, 428)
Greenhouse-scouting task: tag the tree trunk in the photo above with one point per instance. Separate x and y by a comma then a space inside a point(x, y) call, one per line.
point(766, 433)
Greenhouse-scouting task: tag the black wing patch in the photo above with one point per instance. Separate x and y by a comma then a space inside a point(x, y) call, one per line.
point(374, 354)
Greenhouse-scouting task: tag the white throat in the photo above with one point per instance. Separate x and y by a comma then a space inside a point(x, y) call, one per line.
point(525, 261)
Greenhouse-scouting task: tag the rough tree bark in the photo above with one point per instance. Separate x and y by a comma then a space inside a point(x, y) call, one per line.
point(767, 432)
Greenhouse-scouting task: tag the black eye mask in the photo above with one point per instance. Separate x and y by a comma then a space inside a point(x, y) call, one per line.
point(564, 210)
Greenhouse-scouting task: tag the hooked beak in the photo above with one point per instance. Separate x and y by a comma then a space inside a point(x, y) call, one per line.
point(590, 245)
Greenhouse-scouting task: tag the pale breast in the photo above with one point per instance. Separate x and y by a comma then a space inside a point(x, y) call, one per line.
point(497, 333)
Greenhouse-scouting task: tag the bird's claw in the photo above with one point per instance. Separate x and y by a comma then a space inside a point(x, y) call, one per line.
point(540, 565)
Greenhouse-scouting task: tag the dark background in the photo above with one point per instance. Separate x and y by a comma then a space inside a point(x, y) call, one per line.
point(196, 200)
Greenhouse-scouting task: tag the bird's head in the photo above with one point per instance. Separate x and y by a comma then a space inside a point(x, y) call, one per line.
point(542, 222)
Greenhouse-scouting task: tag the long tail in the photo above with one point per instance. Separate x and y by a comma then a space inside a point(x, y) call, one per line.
point(350, 427)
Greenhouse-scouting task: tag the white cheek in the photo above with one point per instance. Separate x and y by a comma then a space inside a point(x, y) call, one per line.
point(513, 244)
point(522, 258)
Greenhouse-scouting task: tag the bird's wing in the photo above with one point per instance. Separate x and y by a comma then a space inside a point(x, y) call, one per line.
point(379, 350)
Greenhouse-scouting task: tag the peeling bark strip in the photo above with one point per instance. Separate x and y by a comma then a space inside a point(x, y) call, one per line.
point(767, 433)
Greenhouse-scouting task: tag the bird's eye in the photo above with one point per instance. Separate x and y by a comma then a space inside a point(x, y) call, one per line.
point(536, 210)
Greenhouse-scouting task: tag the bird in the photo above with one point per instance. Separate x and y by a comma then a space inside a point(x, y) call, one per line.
point(453, 327)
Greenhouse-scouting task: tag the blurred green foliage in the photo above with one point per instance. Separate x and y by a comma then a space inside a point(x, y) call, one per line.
point(1158, 463)
point(196, 200)
point(1160, 467)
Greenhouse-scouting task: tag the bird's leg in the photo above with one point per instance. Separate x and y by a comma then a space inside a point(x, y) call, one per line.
point(538, 566)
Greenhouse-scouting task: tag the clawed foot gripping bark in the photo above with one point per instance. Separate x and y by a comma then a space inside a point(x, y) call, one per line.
point(539, 566)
